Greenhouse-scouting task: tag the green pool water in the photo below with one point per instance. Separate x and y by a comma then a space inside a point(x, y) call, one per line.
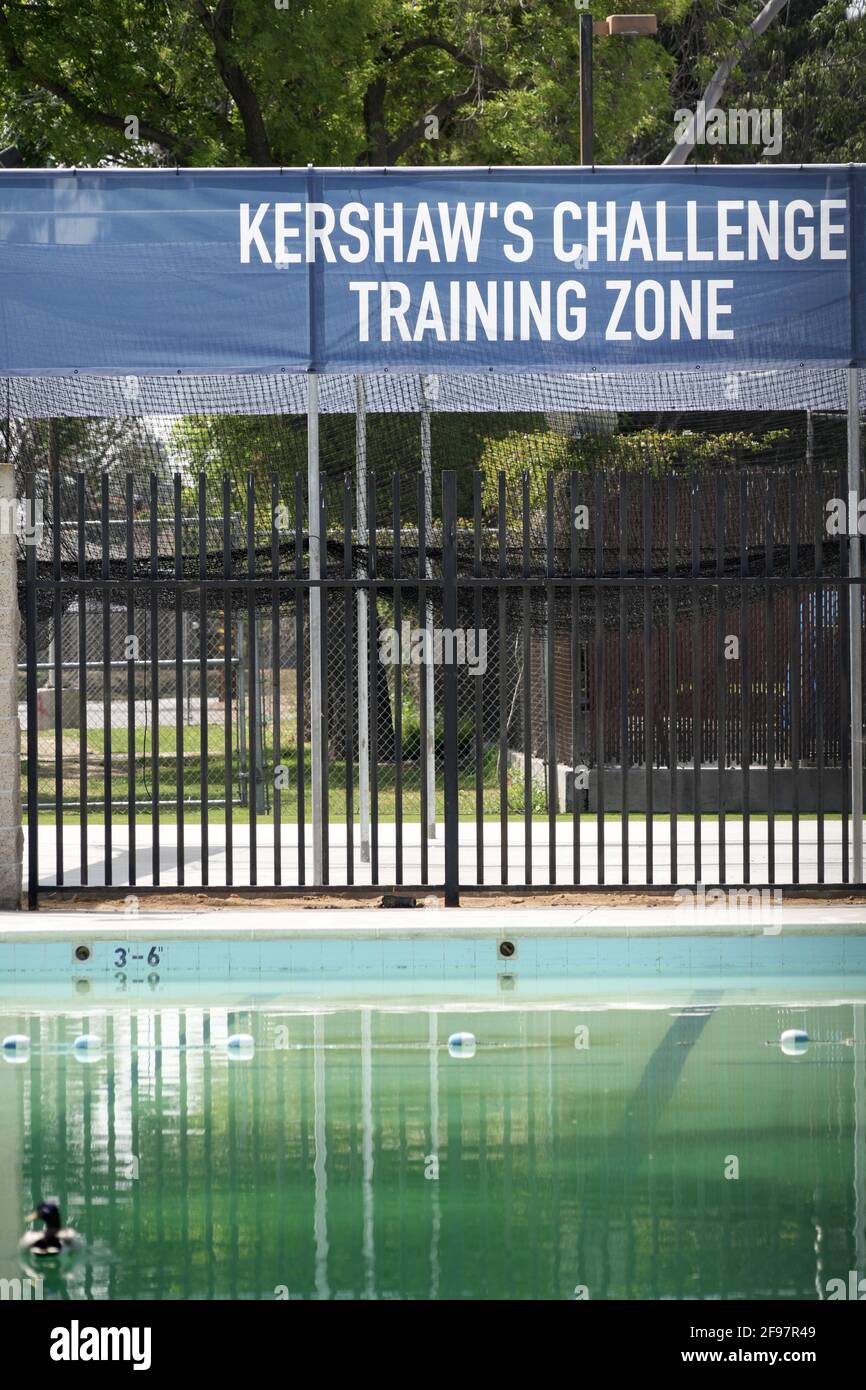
point(581, 1152)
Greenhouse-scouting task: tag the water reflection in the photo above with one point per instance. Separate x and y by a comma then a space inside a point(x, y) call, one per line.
point(643, 1153)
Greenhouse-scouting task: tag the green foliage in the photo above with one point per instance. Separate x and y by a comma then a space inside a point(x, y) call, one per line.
point(292, 81)
point(687, 451)
point(655, 451)
point(808, 65)
point(422, 82)
point(276, 446)
point(517, 794)
point(536, 453)
point(812, 69)
point(410, 744)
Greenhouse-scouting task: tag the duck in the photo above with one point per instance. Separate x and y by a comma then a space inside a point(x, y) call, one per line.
point(54, 1239)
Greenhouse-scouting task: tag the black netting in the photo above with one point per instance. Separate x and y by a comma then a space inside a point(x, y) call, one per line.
point(173, 489)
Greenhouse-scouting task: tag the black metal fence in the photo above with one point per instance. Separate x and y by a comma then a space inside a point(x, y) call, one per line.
point(637, 679)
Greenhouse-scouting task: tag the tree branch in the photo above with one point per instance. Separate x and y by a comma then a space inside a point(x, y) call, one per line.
point(384, 149)
point(489, 76)
point(90, 115)
point(374, 122)
point(442, 110)
point(218, 24)
point(717, 83)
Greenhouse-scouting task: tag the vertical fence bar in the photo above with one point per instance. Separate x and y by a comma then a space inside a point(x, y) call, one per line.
point(252, 684)
point(770, 682)
point(228, 674)
point(276, 685)
point(426, 710)
point(204, 727)
point(550, 688)
point(721, 676)
point(31, 609)
point(502, 644)
point(373, 650)
point(648, 710)
point(132, 657)
point(576, 680)
point(179, 672)
point(819, 593)
point(428, 392)
point(856, 628)
point(844, 609)
point(363, 622)
point(599, 676)
point(324, 663)
point(317, 730)
point(396, 526)
point(300, 721)
point(623, 662)
point(746, 627)
point(57, 623)
point(673, 750)
point(697, 717)
point(527, 687)
point(154, 678)
point(478, 677)
point(795, 636)
point(82, 680)
point(349, 661)
point(105, 569)
point(449, 622)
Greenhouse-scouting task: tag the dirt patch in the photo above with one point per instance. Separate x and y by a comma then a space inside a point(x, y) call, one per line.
point(197, 902)
point(276, 901)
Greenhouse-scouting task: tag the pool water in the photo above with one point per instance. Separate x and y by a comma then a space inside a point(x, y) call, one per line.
point(602, 1147)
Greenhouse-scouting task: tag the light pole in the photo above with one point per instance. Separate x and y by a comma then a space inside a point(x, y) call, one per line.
point(624, 25)
point(586, 26)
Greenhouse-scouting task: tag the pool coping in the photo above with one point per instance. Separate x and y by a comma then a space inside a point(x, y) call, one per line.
point(352, 923)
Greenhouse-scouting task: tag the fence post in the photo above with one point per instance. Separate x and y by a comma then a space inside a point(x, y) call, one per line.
point(429, 392)
point(363, 620)
point(449, 674)
point(317, 730)
point(11, 834)
point(855, 608)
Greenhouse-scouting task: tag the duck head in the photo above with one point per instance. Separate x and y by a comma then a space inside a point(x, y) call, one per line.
point(49, 1212)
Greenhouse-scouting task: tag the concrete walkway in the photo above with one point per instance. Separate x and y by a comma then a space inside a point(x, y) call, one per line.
point(624, 864)
point(264, 923)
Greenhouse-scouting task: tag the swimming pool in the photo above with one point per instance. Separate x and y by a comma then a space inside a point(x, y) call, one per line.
point(623, 1129)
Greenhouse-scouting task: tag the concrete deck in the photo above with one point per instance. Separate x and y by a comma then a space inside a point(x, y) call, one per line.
point(623, 864)
point(262, 923)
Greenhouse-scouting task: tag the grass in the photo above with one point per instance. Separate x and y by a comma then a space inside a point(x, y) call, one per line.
point(144, 784)
point(190, 785)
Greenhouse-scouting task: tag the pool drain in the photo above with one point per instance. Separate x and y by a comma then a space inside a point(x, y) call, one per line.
point(507, 950)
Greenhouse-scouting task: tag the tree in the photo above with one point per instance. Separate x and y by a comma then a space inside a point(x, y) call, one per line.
point(717, 83)
point(806, 65)
point(270, 82)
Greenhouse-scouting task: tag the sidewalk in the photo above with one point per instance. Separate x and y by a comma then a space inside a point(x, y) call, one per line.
point(263, 923)
point(614, 855)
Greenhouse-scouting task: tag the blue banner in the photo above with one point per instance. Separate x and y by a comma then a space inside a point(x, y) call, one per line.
point(443, 270)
